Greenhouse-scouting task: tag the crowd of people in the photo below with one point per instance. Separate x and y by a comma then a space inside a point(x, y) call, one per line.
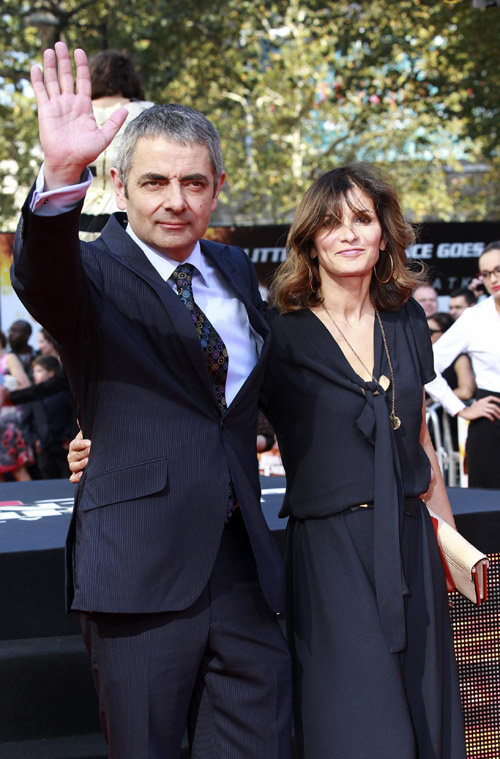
point(37, 414)
point(170, 350)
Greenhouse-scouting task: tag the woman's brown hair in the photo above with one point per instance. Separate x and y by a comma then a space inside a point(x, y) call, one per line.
point(296, 283)
point(113, 73)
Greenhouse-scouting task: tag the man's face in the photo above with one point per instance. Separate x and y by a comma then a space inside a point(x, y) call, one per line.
point(457, 306)
point(427, 297)
point(18, 336)
point(169, 196)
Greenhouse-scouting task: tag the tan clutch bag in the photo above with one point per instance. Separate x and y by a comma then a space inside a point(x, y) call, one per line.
point(465, 567)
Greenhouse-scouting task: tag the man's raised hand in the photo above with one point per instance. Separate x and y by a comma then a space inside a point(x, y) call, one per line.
point(69, 135)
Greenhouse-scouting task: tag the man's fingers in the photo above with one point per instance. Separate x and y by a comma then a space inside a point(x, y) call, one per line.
point(83, 83)
point(64, 70)
point(41, 96)
point(76, 477)
point(112, 126)
point(50, 78)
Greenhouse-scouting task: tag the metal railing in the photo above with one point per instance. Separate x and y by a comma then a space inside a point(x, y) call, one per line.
point(451, 457)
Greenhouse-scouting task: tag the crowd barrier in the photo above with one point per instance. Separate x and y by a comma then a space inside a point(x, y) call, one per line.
point(44, 673)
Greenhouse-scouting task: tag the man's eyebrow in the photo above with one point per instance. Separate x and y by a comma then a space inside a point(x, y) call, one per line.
point(151, 175)
point(196, 177)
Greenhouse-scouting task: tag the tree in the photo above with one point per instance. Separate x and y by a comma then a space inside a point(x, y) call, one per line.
point(296, 87)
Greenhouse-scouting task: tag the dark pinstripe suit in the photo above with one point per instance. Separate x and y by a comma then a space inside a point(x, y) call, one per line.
point(147, 529)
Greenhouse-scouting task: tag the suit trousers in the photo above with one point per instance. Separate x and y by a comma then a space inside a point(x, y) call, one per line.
point(221, 667)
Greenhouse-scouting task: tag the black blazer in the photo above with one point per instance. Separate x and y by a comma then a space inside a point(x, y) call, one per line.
point(150, 508)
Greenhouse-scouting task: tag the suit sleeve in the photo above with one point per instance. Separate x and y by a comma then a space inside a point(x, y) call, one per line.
point(48, 276)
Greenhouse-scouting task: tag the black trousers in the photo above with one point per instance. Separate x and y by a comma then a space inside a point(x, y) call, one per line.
point(483, 450)
point(221, 667)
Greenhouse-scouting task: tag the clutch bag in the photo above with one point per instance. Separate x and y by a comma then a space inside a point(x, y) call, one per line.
point(465, 567)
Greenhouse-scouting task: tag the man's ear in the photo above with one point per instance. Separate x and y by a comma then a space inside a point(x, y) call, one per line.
point(120, 190)
point(217, 190)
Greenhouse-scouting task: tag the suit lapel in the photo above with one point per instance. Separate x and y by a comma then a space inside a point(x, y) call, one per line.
point(124, 250)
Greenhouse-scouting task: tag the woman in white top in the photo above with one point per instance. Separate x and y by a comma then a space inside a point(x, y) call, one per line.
point(115, 83)
point(477, 333)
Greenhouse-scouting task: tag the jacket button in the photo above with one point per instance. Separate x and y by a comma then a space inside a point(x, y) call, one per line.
point(223, 424)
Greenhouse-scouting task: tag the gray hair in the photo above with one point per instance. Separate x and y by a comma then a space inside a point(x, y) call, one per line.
point(176, 123)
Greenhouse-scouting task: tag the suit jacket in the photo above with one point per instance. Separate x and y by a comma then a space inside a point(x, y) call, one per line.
point(150, 508)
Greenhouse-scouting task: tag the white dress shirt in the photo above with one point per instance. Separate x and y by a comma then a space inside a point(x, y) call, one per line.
point(210, 290)
point(477, 333)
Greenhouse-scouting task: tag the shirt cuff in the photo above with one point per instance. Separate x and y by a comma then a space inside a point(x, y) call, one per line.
point(54, 202)
point(441, 392)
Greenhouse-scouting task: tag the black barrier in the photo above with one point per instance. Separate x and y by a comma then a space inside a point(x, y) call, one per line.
point(34, 517)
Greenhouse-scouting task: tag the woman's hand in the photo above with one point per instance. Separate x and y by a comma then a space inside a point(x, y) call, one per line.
point(78, 456)
point(488, 407)
point(430, 490)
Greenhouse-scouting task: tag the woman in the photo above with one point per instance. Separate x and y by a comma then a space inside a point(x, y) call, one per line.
point(369, 629)
point(46, 344)
point(477, 334)
point(459, 374)
point(15, 455)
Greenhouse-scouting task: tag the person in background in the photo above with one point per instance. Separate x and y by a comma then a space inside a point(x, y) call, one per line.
point(46, 344)
point(115, 84)
point(427, 296)
point(10, 363)
point(477, 333)
point(50, 423)
point(19, 335)
point(461, 299)
point(459, 374)
point(15, 455)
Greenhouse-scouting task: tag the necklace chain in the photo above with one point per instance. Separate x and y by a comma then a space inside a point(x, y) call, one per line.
point(395, 420)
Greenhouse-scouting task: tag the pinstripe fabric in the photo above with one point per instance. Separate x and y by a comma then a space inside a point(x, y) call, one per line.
point(224, 660)
point(178, 622)
point(151, 504)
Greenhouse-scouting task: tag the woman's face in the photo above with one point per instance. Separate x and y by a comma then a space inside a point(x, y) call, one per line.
point(435, 329)
point(45, 347)
point(352, 247)
point(489, 269)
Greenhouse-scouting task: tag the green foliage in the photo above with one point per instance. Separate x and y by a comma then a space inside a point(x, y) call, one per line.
point(295, 88)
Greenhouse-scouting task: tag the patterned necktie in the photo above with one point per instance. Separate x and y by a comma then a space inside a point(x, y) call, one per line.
point(212, 345)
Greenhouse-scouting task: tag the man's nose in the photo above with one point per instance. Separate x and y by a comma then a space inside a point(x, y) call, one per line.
point(174, 197)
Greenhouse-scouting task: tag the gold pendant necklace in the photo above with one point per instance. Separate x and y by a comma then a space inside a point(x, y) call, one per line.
point(395, 420)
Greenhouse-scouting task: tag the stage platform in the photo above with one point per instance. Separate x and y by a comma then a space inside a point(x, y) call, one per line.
point(44, 671)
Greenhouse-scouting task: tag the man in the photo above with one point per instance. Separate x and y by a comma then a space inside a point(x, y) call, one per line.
point(461, 299)
point(427, 296)
point(19, 335)
point(169, 558)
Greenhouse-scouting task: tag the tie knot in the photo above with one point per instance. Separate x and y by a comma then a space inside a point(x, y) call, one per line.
point(183, 276)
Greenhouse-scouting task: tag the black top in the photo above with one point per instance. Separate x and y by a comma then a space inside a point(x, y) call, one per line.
point(336, 440)
point(315, 403)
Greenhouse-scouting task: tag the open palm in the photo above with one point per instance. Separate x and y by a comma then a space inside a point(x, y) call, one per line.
point(69, 135)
